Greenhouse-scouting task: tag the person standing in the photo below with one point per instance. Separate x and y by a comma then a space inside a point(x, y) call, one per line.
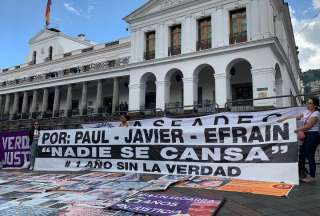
point(124, 121)
point(310, 129)
point(33, 137)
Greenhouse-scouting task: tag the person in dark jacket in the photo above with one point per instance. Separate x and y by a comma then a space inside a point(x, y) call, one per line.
point(33, 137)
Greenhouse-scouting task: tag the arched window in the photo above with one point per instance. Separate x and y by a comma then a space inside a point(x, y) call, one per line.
point(50, 53)
point(34, 57)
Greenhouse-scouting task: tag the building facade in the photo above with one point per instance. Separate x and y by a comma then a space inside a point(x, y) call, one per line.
point(181, 53)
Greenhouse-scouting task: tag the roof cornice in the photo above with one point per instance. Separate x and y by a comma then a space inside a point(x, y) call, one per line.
point(56, 34)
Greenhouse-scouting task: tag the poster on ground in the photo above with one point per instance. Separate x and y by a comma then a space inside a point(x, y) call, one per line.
point(236, 185)
point(169, 205)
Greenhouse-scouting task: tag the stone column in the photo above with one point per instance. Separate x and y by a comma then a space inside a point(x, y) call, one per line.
point(34, 102)
point(279, 92)
point(162, 96)
point(221, 29)
point(160, 50)
point(140, 45)
point(188, 92)
point(15, 103)
point(1, 101)
point(255, 13)
point(266, 18)
point(56, 101)
point(185, 34)
point(133, 47)
point(142, 102)
point(189, 35)
point(134, 94)
point(68, 109)
point(115, 97)
point(263, 84)
point(44, 107)
point(84, 99)
point(99, 97)
point(222, 89)
point(24, 109)
point(15, 108)
point(7, 105)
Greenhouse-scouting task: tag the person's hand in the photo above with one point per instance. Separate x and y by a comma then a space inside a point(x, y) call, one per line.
point(297, 130)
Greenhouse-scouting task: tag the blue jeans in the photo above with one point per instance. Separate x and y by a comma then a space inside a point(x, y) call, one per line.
point(308, 151)
point(34, 147)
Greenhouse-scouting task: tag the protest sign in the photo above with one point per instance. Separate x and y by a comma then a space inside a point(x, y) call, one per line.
point(258, 187)
point(167, 205)
point(224, 118)
point(252, 151)
point(159, 185)
point(15, 150)
point(236, 185)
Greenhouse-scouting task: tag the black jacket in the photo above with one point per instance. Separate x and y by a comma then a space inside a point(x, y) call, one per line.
point(31, 134)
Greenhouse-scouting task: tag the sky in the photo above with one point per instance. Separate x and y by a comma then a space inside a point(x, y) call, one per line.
point(101, 21)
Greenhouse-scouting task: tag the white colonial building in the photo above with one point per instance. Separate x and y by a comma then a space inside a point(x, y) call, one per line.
point(181, 53)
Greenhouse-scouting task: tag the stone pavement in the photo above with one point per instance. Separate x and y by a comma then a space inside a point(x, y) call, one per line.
point(302, 201)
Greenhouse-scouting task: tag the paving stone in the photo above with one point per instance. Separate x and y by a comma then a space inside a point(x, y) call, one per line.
point(267, 211)
point(313, 211)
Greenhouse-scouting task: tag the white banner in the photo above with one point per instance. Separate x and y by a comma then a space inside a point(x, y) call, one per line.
point(224, 118)
point(253, 151)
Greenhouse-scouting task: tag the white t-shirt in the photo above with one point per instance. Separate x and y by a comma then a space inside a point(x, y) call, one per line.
point(36, 133)
point(308, 115)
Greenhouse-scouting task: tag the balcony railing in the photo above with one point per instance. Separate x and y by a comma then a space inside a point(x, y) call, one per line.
point(204, 44)
point(174, 50)
point(5, 117)
point(112, 43)
point(35, 115)
point(105, 65)
point(87, 49)
point(75, 112)
point(175, 107)
point(67, 54)
point(58, 113)
point(148, 55)
point(47, 114)
point(205, 106)
point(238, 37)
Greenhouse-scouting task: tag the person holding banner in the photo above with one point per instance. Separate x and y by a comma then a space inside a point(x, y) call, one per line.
point(124, 121)
point(33, 137)
point(309, 134)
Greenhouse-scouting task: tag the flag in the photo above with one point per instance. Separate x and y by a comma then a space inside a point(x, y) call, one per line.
point(48, 11)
